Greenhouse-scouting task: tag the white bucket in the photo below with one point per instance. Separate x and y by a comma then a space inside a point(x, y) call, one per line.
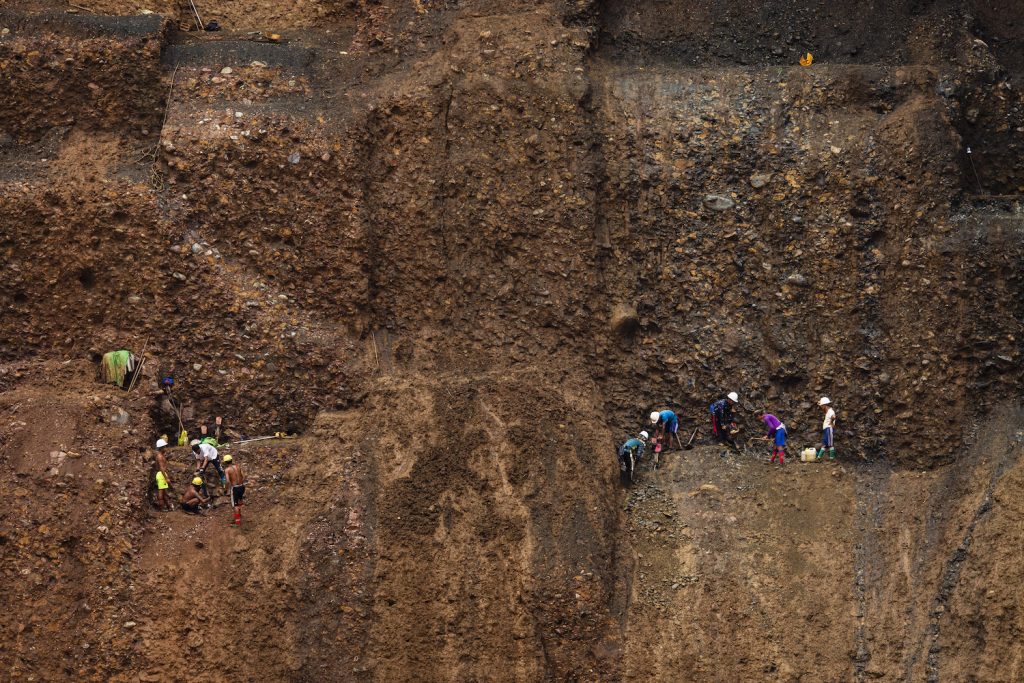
point(808, 455)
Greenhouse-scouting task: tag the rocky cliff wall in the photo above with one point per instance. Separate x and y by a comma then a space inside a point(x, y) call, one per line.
point(780, 231)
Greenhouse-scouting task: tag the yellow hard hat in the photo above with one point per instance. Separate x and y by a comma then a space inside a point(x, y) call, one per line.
point(197, 481)
point(227, 457)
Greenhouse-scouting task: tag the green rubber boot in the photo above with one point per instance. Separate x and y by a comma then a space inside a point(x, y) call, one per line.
point(831, 454)
point(818, 453)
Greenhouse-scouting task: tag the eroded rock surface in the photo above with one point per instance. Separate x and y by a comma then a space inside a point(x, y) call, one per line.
point(519, 226)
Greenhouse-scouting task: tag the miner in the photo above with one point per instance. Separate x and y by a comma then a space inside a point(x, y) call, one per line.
point(629, 455)
point(192, 498)
point(666, 425)
point(776, 434)
point(207, 455)
point(827, 429)
point(160, 474)
point(723, 424)
point(236, 479)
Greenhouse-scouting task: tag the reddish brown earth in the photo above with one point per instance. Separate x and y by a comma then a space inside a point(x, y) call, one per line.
point(462, 249)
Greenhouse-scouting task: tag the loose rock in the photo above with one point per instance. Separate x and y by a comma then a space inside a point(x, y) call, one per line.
point(717, 202)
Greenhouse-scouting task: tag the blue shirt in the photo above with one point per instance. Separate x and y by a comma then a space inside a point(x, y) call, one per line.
point(668, 418)
point(633, 445)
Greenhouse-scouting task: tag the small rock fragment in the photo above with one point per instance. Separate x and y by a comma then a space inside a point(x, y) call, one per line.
point(717, 202)
point(759, 180)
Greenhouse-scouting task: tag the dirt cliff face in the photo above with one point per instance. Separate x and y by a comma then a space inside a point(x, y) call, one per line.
point(466, 249)
point(781, 231)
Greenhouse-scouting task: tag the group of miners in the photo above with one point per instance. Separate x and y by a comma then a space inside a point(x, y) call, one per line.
point(196, 496)
point(724, 430)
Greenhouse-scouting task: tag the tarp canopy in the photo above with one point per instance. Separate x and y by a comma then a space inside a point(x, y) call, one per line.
point(116, 364)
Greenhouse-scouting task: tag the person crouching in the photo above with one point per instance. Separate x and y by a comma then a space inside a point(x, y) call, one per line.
point(192, 499)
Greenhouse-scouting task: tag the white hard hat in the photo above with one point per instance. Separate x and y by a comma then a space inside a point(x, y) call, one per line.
point(160, 443)
point(193, 442)
point(824, 401)
point(734, 397)
point(655, 416)
point(644, 435)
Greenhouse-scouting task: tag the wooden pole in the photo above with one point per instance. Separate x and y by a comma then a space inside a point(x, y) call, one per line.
point(376, 358)
point(138, 370)
point(198, 18)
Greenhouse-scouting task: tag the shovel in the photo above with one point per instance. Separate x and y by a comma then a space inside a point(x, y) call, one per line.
point(689, 444)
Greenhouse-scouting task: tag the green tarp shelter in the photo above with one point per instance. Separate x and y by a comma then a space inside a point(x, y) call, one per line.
point(116, 364)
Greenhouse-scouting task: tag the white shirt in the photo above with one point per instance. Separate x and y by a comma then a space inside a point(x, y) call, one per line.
point(206, 451)
point(830, 419)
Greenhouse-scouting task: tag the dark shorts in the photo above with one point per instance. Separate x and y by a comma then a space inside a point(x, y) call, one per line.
point(216, 466)
point(190, 507)
point(237, 493)
point(826, 438)
point(721, 432)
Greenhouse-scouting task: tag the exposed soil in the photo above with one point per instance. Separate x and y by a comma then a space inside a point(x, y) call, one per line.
point(462, 249)
point(819, 571)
